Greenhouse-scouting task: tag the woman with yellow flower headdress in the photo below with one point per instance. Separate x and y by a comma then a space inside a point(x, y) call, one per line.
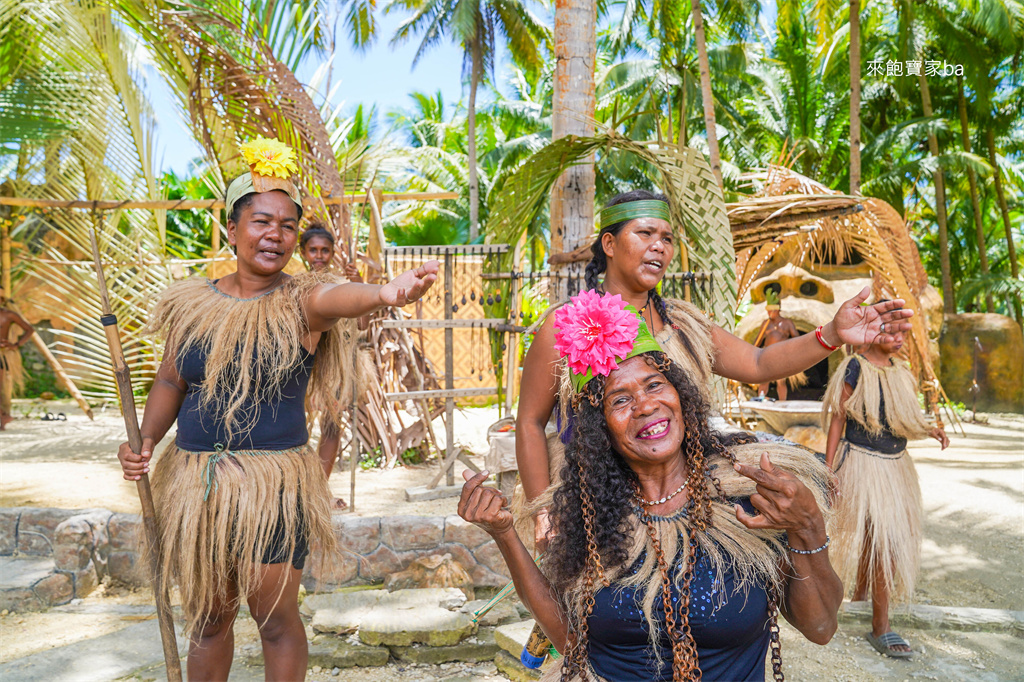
point(240, 496)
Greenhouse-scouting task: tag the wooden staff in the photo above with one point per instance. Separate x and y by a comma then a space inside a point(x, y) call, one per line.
point(131, 423)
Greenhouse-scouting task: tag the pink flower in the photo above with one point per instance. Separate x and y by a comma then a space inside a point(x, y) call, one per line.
point(593, 330)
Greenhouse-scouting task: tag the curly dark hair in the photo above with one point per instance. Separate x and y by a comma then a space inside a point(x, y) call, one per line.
point(594, 469)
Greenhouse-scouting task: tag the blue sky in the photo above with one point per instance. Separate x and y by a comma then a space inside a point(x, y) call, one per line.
point(382, 75)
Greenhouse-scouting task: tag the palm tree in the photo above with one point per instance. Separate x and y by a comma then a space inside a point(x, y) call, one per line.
point(474, 25)
point(854, 97)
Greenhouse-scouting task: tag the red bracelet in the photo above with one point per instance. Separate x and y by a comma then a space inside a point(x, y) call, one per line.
point(821, 340)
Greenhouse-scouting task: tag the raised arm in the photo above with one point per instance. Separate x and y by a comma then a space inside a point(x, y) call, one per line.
point(813, 591)
point(854, 323)
point(330, 302)
point(488, 509)
point(162, 405)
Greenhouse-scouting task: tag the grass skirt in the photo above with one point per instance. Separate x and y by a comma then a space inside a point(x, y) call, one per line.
point(218, 513)
point(878, 511)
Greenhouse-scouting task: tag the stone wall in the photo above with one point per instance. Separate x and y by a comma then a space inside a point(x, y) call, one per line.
point(87, 545)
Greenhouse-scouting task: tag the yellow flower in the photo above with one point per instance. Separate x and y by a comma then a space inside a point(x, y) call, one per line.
point(270, 157)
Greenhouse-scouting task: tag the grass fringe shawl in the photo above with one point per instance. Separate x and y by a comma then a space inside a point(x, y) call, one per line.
point(895, 384)
point(755, 557)
point(252, 345)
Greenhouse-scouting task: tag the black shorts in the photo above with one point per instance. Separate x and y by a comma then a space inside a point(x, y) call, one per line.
point(277, 550)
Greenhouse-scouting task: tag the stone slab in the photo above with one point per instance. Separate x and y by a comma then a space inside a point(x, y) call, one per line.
point(105, 658)
point(408, 617)
point(346, 654)
point(340, 613)
point(422, 493)
point(923, 616)
point(512, 637)
point(482, 647)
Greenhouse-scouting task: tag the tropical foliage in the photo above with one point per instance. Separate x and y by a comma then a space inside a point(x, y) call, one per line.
point(76, 121)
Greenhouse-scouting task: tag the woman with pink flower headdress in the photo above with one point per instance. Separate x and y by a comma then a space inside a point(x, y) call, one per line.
point(677, 547)
point(632, 252)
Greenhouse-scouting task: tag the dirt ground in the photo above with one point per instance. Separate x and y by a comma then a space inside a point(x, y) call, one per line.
point(973, 549)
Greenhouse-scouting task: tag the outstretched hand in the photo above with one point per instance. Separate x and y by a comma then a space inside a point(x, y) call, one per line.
point(484, 507)
point(410, 285)
point(858, 324)
point(783, 501)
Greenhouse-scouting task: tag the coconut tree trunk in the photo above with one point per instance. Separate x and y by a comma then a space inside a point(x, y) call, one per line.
point(474, 183)
point(948, 300)
point(1011, 251)
point(705, 89)
point(972, 178)
point(854, 97)
point(573, 102)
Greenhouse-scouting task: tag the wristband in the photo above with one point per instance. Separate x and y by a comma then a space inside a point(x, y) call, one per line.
point(805, 552)
point(821, 340)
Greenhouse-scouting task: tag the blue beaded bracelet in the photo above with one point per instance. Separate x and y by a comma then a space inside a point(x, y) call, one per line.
point(828, 541)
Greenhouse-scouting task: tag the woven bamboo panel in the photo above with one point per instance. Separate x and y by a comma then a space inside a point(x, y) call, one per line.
point(472, 353)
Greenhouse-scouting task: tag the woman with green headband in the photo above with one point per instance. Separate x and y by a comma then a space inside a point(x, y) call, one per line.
point(633, 251)
point(240, 495)
point(677, 548)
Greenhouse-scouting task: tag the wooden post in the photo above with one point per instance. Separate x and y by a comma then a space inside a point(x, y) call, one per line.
point(6, 387)
point(449, 372)
point(353, 425)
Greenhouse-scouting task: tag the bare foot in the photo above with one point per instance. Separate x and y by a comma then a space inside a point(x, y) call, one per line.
point(5, 419)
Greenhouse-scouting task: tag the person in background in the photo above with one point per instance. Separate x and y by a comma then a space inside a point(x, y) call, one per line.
point(11, 371)
point(870, 411)
point(777, 329)
point(317, 248)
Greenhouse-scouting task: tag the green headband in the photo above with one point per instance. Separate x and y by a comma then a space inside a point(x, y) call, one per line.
point(243, 185)
point(645, 208)
point(644, 343)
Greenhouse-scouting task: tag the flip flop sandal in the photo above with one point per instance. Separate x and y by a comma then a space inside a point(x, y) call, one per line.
point(49, 417)
point(885, 643)
point(61, 417)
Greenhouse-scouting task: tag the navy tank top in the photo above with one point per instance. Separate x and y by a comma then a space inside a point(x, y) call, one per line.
point(730, 629)
point(281, 422)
